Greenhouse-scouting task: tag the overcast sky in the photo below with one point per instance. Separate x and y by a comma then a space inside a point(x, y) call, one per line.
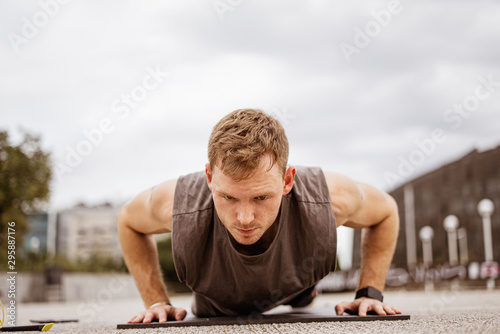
point(354, 93)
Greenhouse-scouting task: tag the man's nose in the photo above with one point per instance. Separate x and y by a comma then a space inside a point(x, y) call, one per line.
point(246, 214)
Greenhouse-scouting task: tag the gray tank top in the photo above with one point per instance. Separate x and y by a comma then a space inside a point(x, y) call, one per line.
point(226, 282)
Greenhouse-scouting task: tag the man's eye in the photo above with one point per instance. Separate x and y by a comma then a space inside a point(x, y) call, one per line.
point(262, 197)
point(228, 197)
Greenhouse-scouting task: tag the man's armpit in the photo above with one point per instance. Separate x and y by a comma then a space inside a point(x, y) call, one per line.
point(346, 197)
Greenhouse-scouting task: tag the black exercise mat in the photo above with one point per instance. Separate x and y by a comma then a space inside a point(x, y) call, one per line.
point(295, 315)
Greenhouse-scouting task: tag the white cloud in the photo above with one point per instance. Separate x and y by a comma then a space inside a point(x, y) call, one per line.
point(355, 118)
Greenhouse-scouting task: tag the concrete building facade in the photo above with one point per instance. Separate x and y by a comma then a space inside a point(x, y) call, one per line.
point(453, 189)
point(86, 231)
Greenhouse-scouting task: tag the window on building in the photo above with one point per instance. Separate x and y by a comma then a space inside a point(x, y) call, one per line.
point(444, 209)
point(469, 173)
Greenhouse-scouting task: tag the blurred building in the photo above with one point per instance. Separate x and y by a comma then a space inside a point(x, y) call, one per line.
point(35, 240)
point(453, 189)
point(83, 232)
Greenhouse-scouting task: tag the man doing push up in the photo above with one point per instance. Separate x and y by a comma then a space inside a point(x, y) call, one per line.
point(250, 232)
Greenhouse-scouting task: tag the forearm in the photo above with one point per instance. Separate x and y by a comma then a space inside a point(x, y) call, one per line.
point(378, 244)
point(141, 256)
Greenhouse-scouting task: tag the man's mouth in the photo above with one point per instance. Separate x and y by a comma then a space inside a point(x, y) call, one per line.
point(246, 231)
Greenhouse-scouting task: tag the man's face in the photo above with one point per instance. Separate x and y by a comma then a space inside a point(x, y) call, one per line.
point(248, 208)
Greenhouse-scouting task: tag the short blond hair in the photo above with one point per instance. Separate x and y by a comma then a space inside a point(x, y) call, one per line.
point(241, 138)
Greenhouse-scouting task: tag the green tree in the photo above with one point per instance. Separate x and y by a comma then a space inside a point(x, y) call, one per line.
point(166, 259)
point(25, 174)
point(167, 266)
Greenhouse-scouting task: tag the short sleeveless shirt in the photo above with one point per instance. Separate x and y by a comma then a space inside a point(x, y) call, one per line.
point(226, 282)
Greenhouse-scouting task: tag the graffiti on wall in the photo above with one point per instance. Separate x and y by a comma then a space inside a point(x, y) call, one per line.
point(398, 277)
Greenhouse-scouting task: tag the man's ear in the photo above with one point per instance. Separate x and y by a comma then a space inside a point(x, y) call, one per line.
point(208, 173)
point(289, 178)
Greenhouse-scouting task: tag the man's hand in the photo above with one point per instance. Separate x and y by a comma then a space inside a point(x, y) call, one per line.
point(161, 312)
point(363, 305)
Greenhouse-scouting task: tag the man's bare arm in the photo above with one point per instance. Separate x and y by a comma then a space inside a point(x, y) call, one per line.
point(148, 213)
point(360, 205)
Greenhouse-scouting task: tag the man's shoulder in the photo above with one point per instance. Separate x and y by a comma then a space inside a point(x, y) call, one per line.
point(192, 179)
point(309, 171)
point(192, 194)
point(345, 195)
point(310, 185)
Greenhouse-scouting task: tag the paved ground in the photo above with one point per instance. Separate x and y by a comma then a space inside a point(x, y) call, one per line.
point(432, 312)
